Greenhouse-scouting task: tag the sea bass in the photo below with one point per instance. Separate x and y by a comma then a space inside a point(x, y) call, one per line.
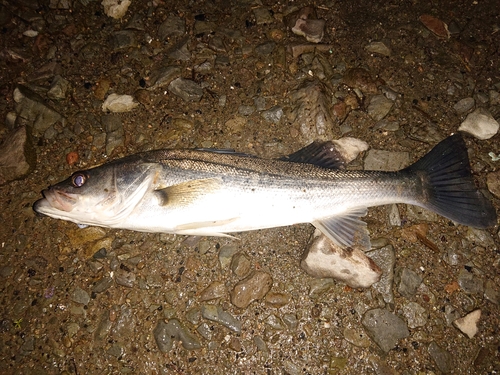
point(215, 192)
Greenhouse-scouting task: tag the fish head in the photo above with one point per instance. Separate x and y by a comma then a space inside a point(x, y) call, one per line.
point(102, 196)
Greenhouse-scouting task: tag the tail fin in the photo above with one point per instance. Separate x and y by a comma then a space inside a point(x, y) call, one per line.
point(448, 187)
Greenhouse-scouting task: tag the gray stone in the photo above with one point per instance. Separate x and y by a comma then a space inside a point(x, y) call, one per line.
point(217, 314)
point(115, 133)
point(385, 328)
point(123, 39)
point(379, 47)
point(379, 107)
point(409, 282)
point(226, 253)
point(186, 89)
point(246, 110)
point(415, 315)
point(262, 16)
point(464, 105)
point(32, 107)
point(385, 259)
point(103, 284)
point(444, 359)
point(173, 26)
point(265, 48)
point(273, 114)
point(180, 51)
point(240, 265)
point(119, 103)
point(381, 160)
point(58, 88)
point(318, 287)
point(470, 283)
point(125, 324)
point(80, 296)
point(17, 156)
point(215, 290)
point(163, 76)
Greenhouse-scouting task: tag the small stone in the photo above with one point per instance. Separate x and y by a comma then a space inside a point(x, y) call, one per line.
point(17, 156)
point(394, 216)
point(311, 29)
point(444, 360)
point(415, 315)
point(492, 292)
point(246, 110)
point(468, 323)
point(123, 39)
point(235, 344)
point(240, 264)
point(379, 47)
point(265, 48)
point(102, 285)
point(470, 283)
point(277, 300)
point(217, 314)
point(164, 333)
point(226, 253)
point(385, 328)
point(261, 344)
point(173, 26)
point(291, 321)
point(438, 27)
point(408, 283)
point(116, 8)
point(493, 183)
point(80, 296)
point(163, 76)
point(213, 291)
point(385, 258)
point(357, 337)
point(263, 16)
point(273, 114)
point(58, 88)
point(464, 105)
point(379, 107)
point(125, 278)
point(119, 103)
point(251, 289)
point(186, 89)
point(480, 124)
point(317, 287)
point(274, 322)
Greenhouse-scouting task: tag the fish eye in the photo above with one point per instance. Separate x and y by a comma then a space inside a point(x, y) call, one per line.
point(78, 179)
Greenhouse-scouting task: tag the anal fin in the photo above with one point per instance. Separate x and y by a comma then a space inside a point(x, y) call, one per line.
point(346, 230)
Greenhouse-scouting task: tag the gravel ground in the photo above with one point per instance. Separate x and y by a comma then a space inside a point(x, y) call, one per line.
point(231, 74)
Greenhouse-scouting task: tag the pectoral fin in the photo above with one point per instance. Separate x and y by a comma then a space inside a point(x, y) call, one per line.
point(346, 230)
point(187, 192)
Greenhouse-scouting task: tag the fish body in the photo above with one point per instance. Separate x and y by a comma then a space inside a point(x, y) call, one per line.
point(213, 193)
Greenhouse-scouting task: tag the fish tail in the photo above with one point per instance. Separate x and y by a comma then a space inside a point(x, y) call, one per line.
point(447, 186)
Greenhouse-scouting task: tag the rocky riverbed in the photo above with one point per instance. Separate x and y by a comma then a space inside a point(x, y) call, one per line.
point(84, 82)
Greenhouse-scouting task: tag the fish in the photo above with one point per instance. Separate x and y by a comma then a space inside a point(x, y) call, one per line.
point(209, 192)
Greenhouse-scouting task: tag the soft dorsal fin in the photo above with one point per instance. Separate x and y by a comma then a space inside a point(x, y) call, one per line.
point(346, 230)
point(322, 154)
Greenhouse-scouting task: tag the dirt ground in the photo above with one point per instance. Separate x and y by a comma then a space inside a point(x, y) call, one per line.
point(87, 301)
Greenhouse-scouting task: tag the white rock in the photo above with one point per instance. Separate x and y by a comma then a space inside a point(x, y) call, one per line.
point(325, 259)
point(480, 124)
point(116, 8)
point(350, 147)
point(468, 323)
point(119, 103)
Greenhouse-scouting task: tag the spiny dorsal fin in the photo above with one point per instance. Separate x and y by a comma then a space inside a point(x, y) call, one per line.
point(322, 154)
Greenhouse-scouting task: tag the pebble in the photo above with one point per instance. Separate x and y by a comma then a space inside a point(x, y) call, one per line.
point(186, 89)
point(385, 328)
point(324, 259)
point(104, 326)
point(492, 292)
point(409, 281)
point(379, 107)
point(415, 213)
point(251, 289)
point(163, 76)
point(493, 183)
point(443, 358)
point(165, 333)
point(468, 323)
point(394, 216)
point(80, 296)
point(102, 285)
point(215, 290)
point(381, 160)
point(311, 29)
point(415, 315)
point(291, 321)
point(246, 110)
point(318, 287)
point(464, 105)
point(115, 133)
point(450, 314)
point(119, 103)
point(205, 331)
point(32, 107)
point(226, 253)
point(17, 156)
point(357, 337)
point(470, 283)
point(217, 314)
point(379, 47)
point(124, 324)
point(385, 258)
point(240, 265)
point(438, 27)
point(58, 88)
point(124, 278)
point(359, 78)
point(350, 148)
point(274, 322)
point(173, 26)
point(261, 344)
point(277, 300)
point(122, 39)
point(273, 114)
point(480, 124)
point(116, 8)
point(262, 16)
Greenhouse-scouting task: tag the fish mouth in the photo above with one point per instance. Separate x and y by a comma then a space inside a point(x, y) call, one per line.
point(54, 200)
